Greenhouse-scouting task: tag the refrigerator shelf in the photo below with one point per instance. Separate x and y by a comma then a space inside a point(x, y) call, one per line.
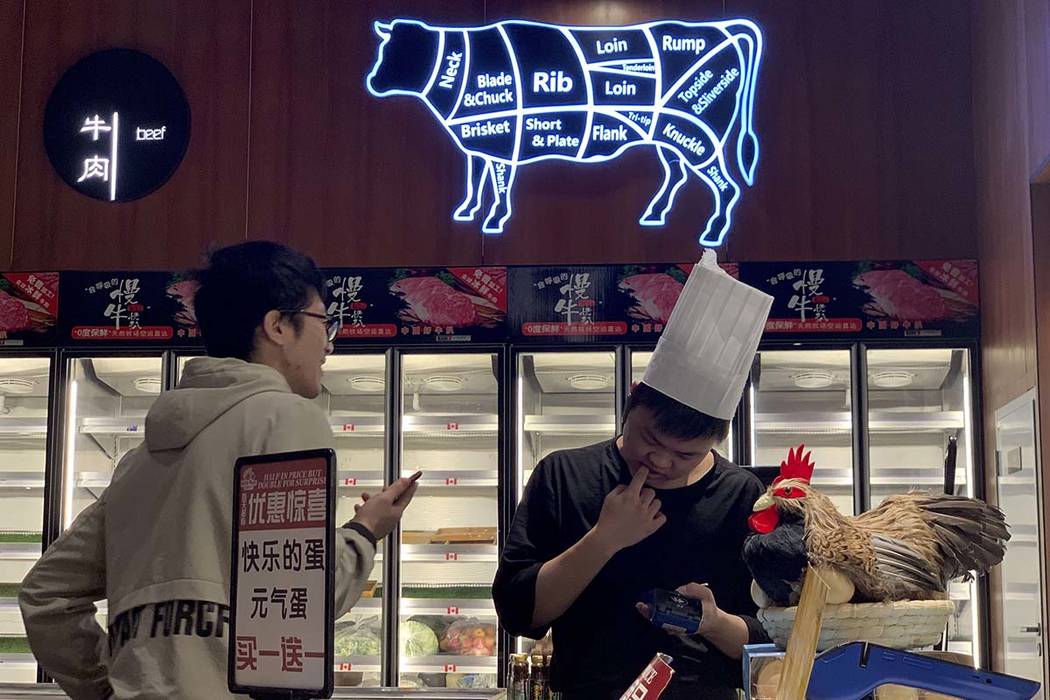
point(471, 424)
point(23, 427)
point(21, 480)
point(449, 664)
point(17, 660)
point(570, 424)
point(364, 664)
point(463, 425)
point(449, 553)
point(358, 425)
point(464, 608)
point(450, 481)
point(359, 480)
point(1014, 482)
point(829, 423)
point(20, 551)
point(134, 428)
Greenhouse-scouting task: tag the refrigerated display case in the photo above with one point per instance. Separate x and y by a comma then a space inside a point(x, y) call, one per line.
point(107, 397)
point(354, 398)
point(564, 400)
point(805, 397)
point(25, 388)
point(886, 433)
point(1021, 582)
point(920, 401)
point(449, 430)
point(476, 415)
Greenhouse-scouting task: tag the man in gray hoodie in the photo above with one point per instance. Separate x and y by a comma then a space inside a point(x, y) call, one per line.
point(156, 544)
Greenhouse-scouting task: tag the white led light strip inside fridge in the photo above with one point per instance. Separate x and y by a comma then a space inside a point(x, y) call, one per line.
point(69, 476)
point(971, 476)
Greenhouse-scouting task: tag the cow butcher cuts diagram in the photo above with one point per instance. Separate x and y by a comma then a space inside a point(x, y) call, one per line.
point(517, 92)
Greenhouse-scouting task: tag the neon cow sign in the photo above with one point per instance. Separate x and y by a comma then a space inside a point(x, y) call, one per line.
point(517, 92)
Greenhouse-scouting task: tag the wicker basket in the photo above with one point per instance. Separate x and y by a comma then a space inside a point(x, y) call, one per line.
point(904, 624)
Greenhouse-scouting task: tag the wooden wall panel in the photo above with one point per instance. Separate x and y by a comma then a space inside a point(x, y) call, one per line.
point(206, 46)
point(11, 14)
point(866, 115)
point(863, 111)
point(350, 178)
point(1003, 215)
point(1012, 138)
point(1036, 15)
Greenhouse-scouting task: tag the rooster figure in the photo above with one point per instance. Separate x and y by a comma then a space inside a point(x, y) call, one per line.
point(907, 548)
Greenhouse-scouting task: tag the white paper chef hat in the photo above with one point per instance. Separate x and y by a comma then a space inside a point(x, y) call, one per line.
point(706, 350)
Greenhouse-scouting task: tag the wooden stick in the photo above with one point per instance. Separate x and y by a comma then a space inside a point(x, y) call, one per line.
point(802, 645)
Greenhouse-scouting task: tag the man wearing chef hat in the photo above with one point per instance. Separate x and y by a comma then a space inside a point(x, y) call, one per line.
point(655, 508)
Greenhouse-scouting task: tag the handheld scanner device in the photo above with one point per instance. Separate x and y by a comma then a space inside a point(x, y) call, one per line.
point(673, 611)
point(852, 671)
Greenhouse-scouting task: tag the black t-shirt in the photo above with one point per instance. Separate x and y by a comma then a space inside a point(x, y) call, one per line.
point(601, 643)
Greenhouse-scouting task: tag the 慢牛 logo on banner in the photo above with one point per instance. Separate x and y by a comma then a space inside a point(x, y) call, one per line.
point(281, 607)
point(518, 92)
point(118, 306)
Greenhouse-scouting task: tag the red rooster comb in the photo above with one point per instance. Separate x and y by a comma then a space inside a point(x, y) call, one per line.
point(797, 466)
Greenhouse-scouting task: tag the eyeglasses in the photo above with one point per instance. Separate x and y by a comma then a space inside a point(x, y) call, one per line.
point(331, 325)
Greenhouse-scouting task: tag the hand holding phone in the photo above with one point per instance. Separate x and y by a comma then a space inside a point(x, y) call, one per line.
point(672, 611)
point(382, 512)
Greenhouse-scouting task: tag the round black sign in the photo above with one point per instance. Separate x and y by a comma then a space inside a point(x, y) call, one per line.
point(117, 125)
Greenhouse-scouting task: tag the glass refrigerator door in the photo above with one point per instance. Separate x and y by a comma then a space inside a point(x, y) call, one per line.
point(805, 397)
point(639, 362)
point(180, 365)
point(354, 397)
point(106, 403)
point(107, 400)
point(917, 401)
point(1017, 459)
point(449, 431)
point(565, 400)
point(24, 391)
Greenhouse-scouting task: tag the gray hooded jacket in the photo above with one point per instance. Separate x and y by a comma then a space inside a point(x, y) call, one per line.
point(161, 532)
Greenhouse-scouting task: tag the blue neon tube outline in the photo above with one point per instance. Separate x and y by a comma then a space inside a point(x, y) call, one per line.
point(743, 108)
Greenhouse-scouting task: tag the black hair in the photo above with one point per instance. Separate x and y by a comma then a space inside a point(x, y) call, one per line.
point(673, 418)
point(241, 284)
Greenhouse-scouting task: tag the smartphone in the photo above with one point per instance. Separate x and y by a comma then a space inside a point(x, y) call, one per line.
point(674, 612)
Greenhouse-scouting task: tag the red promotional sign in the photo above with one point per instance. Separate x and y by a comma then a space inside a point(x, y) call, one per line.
point(282, 575)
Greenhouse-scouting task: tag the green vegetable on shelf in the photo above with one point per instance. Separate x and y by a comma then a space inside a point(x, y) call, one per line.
point(10, 590)
point(14, 645)
point(418, 640)
point(357, 640)
point(18, 537)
